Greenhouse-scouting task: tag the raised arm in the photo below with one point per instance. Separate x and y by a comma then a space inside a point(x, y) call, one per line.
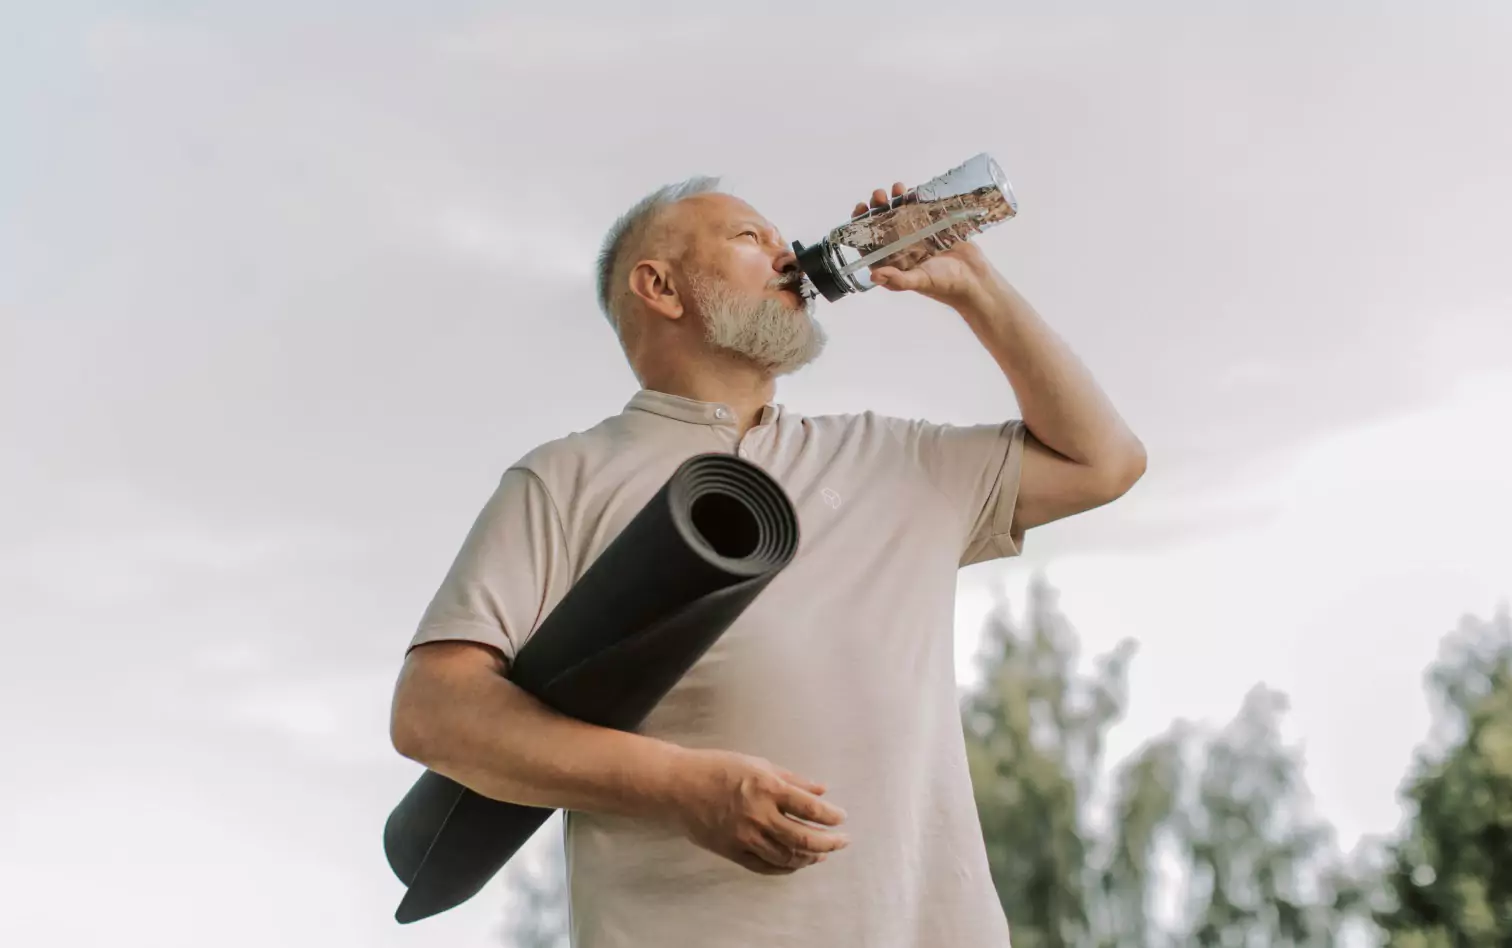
point(1077, 453)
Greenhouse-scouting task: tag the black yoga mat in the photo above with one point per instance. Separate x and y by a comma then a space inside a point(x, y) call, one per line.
point(644, 611)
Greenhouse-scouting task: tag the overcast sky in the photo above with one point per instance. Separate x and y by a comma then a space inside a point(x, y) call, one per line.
point(282, 292)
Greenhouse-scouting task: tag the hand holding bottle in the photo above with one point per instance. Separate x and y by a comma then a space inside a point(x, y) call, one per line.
point(953, 277)
point(897, 234)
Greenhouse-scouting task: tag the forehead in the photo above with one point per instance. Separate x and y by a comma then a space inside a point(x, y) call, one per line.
point(716, 211)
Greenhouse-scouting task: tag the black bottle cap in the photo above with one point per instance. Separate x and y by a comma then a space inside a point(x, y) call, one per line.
point(814, 263)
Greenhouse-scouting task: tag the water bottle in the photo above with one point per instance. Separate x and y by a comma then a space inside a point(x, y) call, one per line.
point(931, 218)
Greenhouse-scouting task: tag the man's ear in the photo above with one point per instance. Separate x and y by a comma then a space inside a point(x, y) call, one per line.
point(651, 280)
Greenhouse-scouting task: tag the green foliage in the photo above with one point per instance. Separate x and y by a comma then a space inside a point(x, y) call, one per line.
point(1035, 731)
point(1222, 818)
point(1145, 798)
point(1257, 864)
point(1448, 882)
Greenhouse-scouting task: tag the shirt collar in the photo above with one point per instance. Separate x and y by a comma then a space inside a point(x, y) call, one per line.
point(692, 410)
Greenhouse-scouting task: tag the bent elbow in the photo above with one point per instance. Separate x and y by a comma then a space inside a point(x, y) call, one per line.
point(405, 739)
point(407, 730)
point(1126, 471)
point(406, 736)
point(1135, 465)
point(434, 681)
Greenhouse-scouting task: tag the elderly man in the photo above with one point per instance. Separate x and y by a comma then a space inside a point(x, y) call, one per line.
point(805, 785)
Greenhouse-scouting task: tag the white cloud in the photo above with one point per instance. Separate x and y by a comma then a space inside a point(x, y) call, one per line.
point(231, 657)
point(339, 716)
point(113, 543)
point(536, 43)
point(169, 858)
point(119, 43)
point(158, 869)
point(530, 244)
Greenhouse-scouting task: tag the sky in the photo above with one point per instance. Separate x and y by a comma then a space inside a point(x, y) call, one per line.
point(284, 289)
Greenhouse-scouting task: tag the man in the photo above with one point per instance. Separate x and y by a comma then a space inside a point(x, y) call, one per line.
point(805, 784)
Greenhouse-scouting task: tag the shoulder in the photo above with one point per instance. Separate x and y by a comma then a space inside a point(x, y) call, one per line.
point(918, 443)
point(862, 428)
point(906, 430)
point(576, 456)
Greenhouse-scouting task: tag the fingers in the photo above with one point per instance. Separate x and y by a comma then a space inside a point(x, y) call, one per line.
point(806, 806)
point(880, 199)
point(788, 830)
point(759, 865)
point(793, 835)
point(894, 279)
point(793, 857)
point(755, 863)
point(797, 781)
point(762, 844)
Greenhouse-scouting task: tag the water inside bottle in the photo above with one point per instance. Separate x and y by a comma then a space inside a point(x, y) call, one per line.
point(917, 226)
point(930, 219)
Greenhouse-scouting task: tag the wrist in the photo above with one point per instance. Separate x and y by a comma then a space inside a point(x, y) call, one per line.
point(672, 775)
point(983, 292)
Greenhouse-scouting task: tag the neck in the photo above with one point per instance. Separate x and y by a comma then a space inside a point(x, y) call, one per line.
point(718, 377)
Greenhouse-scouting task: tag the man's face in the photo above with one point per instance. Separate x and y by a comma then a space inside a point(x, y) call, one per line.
point(744, 286)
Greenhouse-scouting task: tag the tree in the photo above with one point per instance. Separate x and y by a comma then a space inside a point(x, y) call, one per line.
point(1260, 870)
point(1145, 798)
point(1034, 730)
point(1083, 862)
point(1448, 880)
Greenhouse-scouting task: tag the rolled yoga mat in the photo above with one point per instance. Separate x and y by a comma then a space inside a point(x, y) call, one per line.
point(642, 614)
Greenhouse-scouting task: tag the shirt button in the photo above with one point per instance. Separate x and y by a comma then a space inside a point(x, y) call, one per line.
point(720, 413)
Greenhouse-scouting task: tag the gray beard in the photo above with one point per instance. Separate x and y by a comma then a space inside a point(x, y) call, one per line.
point(770, 333)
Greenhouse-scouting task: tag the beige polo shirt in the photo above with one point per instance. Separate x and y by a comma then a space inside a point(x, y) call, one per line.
point(842, 670)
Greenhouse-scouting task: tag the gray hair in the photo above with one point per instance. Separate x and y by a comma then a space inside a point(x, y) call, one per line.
point(632, 226)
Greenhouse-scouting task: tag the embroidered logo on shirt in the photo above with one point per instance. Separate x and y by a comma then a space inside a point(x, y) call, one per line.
point(831, 498)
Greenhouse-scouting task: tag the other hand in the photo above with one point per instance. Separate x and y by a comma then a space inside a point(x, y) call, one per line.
point(954, 277)
point(755, 814)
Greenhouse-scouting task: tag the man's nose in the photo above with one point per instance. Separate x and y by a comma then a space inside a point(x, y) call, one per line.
point(786, 262)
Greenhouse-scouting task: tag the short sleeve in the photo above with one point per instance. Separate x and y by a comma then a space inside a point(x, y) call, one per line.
point(976, 468)
point(512, 564)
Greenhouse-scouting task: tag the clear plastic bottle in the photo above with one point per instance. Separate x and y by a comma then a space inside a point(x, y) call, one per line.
point(929, 219)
